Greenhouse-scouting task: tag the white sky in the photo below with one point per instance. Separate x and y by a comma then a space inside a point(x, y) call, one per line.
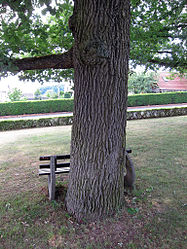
point(11, 82)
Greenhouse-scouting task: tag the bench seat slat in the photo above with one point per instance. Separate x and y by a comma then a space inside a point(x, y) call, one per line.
point(59, 165)
point(58, 157)
point(57, 171)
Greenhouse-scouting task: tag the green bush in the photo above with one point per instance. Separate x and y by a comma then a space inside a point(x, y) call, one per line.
point(34, 123)
point(157, 98)
point(15, 94)
point(66, 105)
point(36, 106)
point(6, 125)
point(67, 95)
point(142, 83)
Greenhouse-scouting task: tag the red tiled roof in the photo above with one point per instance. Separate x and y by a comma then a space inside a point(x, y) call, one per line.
point(176, 83)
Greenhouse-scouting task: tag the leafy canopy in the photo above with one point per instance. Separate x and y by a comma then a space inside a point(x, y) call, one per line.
point(158, 34)
point(15, 94)
point(28, 32)
point(31, 28)
point(142, 83)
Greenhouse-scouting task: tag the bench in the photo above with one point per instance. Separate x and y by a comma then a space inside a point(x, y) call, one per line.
point(54, 167)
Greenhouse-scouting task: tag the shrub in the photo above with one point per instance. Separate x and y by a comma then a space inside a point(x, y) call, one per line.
point(36, 106)
point(68, 120)
point(142, 83)
point(37, 94)
point(67, 95)
point(157, 98)
point(15, 94)
point(66, 105)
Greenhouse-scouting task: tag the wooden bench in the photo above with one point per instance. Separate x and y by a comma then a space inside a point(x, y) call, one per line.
point(54, 167)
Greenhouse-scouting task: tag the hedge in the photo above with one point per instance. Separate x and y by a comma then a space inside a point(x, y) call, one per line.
point(157, 98)
point(66, 105)
point(6, 125)
point(36, 106)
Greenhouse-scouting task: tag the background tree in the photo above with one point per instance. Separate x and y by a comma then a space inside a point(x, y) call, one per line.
point(15, 94)
point(50, 94)
point(54, 88)
point(37, 94)
point(61, 94)
point(142, 83)
point(67, 95)
point(99, 55)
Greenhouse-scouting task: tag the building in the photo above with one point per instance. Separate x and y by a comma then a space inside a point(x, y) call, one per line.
point(167, 83)
point(28, 96)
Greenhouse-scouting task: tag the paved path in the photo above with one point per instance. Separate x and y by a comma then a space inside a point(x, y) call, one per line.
point(60, 114)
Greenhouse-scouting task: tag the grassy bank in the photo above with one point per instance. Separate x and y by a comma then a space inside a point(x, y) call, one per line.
point(154, 216)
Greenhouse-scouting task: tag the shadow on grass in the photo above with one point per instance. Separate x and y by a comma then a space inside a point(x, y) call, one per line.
point(154, 215)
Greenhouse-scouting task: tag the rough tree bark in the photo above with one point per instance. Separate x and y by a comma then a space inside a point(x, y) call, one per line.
point(101, 53)
point(100, 58)
point(55, 61)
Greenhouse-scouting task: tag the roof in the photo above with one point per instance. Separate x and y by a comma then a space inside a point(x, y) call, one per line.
point(175, 83)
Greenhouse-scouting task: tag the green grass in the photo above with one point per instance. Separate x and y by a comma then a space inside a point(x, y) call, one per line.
point(154, 216)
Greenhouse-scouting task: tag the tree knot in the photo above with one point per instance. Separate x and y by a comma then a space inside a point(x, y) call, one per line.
point(93, 51)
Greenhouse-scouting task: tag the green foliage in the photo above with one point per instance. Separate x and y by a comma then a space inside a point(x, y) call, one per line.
point(132, 210)
point(142, 83)
point(51, 94)
point(37, 94)
point(15, 94)
point(12, 124)
point(28, 34)
point(67, 95)
point(157, 98)
point(36, 106)
point(67, 105)
point(158, 34)
point(61, 93)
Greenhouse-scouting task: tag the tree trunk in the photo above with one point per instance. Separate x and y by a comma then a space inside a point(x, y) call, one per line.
point(101, 53)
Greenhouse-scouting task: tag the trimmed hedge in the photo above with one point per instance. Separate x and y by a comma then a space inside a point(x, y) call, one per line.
point(66, 105)
point(36, 106)
point(6, 125)
point(157, 98)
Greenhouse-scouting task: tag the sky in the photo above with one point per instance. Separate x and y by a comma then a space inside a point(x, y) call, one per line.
point(7, 84)
point(11, 82)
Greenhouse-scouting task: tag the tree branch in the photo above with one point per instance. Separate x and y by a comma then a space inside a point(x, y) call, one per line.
point(162, 52)
point(55, 61)
point(167, 63)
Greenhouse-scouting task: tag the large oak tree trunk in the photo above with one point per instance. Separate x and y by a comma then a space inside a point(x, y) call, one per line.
point(101, 53)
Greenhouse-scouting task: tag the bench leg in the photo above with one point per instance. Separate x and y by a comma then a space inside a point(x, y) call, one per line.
point(52, 179)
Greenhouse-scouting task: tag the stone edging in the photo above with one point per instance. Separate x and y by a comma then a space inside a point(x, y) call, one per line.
point(6, 125)
point(156, 113)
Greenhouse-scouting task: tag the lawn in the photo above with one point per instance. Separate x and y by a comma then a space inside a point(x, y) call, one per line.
point(155, 213)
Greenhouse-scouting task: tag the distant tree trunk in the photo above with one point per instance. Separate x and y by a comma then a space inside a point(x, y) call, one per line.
point(101, 53)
